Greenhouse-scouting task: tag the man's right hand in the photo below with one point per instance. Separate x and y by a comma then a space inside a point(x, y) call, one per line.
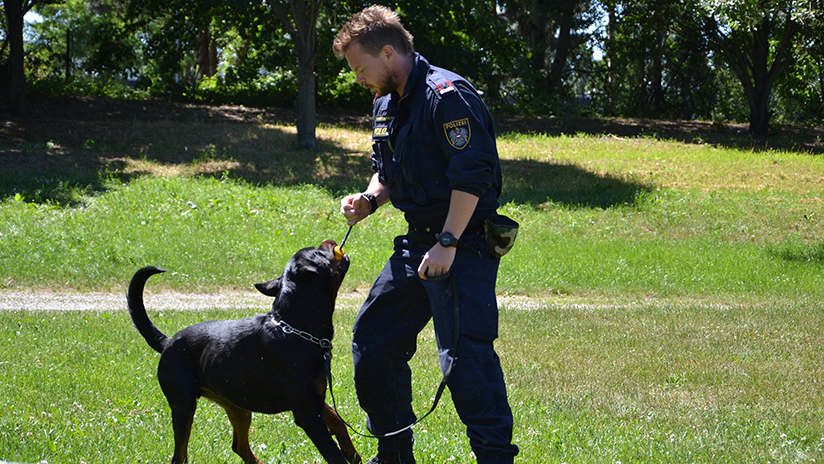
point(355, 208)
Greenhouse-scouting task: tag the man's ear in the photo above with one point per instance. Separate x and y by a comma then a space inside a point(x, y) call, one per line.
point(271, 288)
point(388, 52)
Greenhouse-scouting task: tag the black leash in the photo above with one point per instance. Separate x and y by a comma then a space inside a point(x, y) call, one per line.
point(455, 308)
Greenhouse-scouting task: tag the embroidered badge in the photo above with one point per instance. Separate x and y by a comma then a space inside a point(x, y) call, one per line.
point(382, 125)
point(445, 87)
point(458, 133)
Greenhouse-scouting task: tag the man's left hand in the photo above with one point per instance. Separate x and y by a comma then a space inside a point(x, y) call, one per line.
point(436, 262)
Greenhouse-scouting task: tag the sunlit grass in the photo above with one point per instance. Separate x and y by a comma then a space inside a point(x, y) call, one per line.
point(643, 382)
point(662, 303)
point(226, 204)
point(672, 164)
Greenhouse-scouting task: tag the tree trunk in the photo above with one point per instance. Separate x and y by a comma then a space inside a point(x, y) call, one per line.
point(300, 18)
point(612, 26)
point(68, 55)
point(657, 75)
point(307, 121)
point(17, 73)
point(564, 45)
point(206, 53)
point(540, 41)
point(821, 88)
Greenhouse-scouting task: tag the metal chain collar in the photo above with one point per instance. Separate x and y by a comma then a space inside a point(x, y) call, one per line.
point(324, 343)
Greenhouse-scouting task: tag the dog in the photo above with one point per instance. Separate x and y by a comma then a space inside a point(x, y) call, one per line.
point(269, 363)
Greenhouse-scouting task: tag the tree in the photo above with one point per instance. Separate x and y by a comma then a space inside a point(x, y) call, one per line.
point(470, 37)
point(4, 45)
point(186, 30)
point(801, 89)
point(300, 18)
point(755, 38)
point(654, 67)
point(15, 11)
point(555, 34)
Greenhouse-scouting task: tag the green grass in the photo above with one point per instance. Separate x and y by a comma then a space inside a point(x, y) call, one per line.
point(601, 218)
point(213, 234)
point(588, 383)
point(663, 302)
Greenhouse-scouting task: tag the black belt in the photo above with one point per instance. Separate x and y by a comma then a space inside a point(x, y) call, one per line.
point(428, 236)
point(425, 238)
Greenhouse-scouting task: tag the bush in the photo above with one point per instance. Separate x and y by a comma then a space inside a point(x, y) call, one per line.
point(270, 90)
point(83, 86)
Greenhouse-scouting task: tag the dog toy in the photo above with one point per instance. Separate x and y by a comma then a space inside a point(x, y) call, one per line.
point(339, 249)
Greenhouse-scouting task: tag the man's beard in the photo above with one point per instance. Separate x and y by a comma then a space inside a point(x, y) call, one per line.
point(388, 84)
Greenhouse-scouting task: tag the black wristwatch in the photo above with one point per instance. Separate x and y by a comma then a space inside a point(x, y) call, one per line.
point(446, 239)
point(373, 202)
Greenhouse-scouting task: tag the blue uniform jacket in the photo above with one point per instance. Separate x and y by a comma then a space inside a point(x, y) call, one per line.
point(435, 138)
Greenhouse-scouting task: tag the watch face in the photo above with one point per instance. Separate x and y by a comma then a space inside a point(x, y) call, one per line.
point(446, 239)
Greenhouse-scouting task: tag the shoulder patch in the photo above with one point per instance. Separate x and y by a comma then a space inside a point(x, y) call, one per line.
point(445, 87)
point(438, 82)
point(458, 133)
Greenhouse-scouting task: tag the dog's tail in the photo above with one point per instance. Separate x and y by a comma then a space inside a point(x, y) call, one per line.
point(156, 339)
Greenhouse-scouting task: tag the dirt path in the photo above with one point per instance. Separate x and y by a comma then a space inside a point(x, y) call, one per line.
point(49, 301)
point(169, 301)
point(98, 301)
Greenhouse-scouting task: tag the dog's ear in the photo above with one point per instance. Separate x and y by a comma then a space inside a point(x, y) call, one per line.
point(271, 288)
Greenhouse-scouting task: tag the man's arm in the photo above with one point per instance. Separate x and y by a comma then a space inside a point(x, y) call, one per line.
point(439, 259)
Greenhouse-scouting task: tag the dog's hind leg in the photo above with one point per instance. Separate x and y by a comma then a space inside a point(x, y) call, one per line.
point(182, 418)
point(314, 426)
point(178, 381)
point(241, 420)
point(338, 429)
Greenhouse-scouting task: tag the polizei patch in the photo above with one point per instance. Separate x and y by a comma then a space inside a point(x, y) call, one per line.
point(458, 133)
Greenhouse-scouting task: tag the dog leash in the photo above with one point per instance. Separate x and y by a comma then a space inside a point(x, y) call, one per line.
point(328, 357)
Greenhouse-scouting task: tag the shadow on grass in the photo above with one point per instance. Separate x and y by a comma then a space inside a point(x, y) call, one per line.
point(68, 148)
point(804, 254)
point(537, 183)
point(802, 139)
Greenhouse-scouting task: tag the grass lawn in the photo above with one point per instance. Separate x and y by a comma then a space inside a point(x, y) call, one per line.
point(663, 302)
point(588, 383)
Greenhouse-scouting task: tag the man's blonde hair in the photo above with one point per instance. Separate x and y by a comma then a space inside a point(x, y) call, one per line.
point(373, 28)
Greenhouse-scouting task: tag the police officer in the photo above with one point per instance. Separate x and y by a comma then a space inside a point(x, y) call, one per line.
point(435, 159)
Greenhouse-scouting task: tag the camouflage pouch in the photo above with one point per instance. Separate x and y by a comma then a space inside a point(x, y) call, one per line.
point(499, 233)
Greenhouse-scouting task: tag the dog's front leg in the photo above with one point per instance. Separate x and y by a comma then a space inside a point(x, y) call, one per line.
point(315, 428)
point(338, 429)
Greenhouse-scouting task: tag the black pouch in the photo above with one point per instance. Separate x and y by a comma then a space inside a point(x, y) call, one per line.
point(499, 234)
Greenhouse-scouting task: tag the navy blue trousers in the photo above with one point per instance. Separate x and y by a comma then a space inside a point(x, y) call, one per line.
point(398, 307)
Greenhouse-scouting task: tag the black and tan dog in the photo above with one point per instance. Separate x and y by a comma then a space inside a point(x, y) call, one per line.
point(268, 363)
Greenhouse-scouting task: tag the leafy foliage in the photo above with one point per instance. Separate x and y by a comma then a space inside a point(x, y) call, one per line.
point(635, 58)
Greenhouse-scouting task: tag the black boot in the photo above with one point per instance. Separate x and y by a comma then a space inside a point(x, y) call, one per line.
point(383, 458)
point(395, 450)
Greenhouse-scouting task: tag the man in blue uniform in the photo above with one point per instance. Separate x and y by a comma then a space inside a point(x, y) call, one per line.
point(435, 159)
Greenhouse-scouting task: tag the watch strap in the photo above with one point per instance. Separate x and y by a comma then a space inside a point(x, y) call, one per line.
point(373, 202)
